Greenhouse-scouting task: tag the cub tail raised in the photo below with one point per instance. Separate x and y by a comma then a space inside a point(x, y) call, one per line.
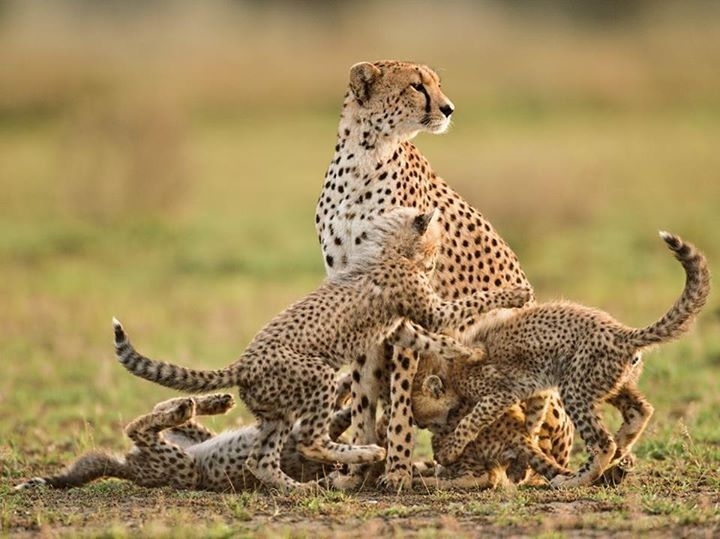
point(167, 374)
point(697, 288)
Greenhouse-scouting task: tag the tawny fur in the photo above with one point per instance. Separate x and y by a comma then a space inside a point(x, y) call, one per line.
point(376, 167)
point(287, 372)
point(586, 354)
point(504, 452)
point(172, 449)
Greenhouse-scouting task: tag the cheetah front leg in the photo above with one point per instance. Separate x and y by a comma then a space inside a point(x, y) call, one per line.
point(462, 314)
point(400, 431)
point(414, 337)
point(486, 411)
point(541, 463)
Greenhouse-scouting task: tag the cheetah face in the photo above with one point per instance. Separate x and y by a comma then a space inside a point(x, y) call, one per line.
point(400, 98)
point(401, 233)
point(432, 402)
point(411, 234)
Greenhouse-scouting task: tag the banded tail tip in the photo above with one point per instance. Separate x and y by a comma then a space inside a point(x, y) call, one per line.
point(119, 331)
point(672, 240)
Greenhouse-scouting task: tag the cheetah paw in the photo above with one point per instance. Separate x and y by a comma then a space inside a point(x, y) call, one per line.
point(456, 351)
point(395, 481)
point(567, 481)
point(617, 472)
point(448, 452)
point(341, 481)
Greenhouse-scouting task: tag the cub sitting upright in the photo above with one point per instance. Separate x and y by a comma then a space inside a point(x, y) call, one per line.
point(287, 372)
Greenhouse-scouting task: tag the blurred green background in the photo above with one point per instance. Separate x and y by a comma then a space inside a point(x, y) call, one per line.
point(160, 162)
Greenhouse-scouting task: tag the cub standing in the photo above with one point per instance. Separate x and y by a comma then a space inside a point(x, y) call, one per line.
point(287, 372)
point(586, 354)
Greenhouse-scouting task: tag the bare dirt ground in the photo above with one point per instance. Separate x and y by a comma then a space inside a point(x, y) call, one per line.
point(114, 509)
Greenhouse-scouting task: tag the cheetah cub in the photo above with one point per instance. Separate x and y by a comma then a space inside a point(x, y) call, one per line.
point(583, 352)
point(287, 372)
point(172, 449)
point(506, 452)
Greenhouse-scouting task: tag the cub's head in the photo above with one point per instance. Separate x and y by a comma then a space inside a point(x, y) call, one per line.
point(398, 98)
point(439, 390)
point(401, 233)
point(432, 401)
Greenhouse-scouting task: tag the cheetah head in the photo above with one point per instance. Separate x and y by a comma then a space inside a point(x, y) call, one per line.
point(411, 235)
point(432, 398)
point(401, 233)
point(398, 99)
point(439, 392)
point(432, 402)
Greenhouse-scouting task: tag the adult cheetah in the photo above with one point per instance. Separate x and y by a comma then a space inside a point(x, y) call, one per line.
point(586, 354)
point(376, 168)
point(287, 372)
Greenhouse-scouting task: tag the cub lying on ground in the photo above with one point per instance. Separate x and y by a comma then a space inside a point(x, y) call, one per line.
point(172, 449)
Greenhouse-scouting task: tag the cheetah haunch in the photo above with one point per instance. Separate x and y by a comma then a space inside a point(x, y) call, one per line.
point(375, 168)
point(287, 372)
point(583, 352)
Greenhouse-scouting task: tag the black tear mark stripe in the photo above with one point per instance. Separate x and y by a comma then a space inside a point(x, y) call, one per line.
point(427, 97)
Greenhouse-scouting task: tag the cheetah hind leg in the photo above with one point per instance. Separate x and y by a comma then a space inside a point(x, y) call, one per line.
point(214, 404)
point(171, 413)
point(541, 463)
point(264, 458)
point(191, 432)
point(150, 465)
point(600, 445)
point(636, 412)
point(410, 335)
point(88, 467)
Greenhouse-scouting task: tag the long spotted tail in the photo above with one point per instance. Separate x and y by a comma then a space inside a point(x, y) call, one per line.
point(697, 287)
point(166, 374)
point(87, 468)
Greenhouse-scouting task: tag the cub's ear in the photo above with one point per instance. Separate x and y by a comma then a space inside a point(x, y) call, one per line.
point(423, 220)
point(433, 386)
point(362, 76)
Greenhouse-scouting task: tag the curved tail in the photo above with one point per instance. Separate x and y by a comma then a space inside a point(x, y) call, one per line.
point(166, 374)
point(87, 468)
point(697, 287)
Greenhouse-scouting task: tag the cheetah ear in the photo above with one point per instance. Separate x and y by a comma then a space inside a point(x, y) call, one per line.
point(362, 77)
point(422, 221)
point(433, 386)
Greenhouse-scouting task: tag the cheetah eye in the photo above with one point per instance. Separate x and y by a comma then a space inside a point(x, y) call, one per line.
point(418, 86)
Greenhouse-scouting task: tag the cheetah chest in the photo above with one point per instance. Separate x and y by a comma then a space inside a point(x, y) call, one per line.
point(346, 226)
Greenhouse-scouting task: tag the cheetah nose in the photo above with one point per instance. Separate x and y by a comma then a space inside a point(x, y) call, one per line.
point(447, 110)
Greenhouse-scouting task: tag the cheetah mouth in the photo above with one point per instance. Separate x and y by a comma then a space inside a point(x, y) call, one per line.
point(434, 124)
